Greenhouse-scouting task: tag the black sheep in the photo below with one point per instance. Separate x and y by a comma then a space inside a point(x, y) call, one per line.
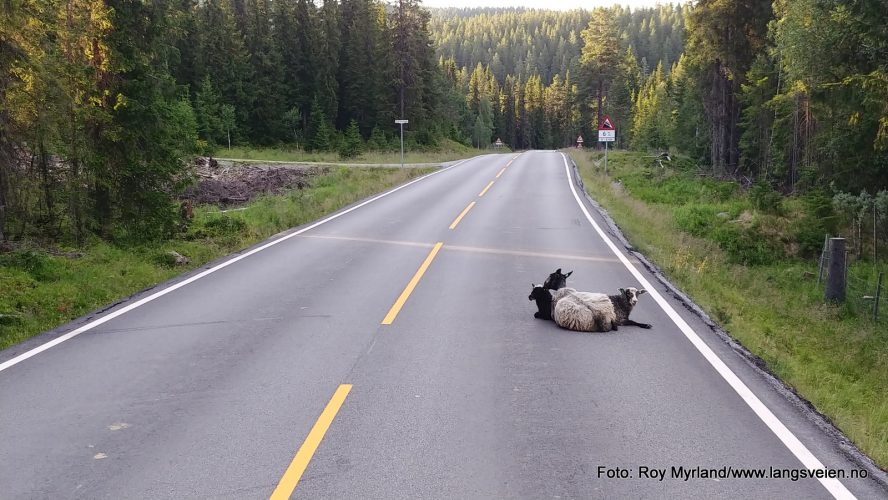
point(542, 295)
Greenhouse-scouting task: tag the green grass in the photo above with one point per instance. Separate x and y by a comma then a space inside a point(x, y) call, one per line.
point(834, 356)
point(447, 150)
point(42, 291)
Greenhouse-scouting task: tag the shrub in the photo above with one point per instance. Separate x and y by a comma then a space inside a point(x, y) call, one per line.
point(696, 219)
point(820, 206)
point(765, 199)
point(809, 233)
point(746, 245)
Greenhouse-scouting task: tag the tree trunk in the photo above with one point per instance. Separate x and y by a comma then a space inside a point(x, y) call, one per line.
point(47, 188)
point(76, 209)
point(3, 183)
point(598, 112)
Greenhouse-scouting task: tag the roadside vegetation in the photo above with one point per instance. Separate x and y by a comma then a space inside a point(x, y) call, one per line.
point(749, 259)
point(44, 288)
point(445, 150)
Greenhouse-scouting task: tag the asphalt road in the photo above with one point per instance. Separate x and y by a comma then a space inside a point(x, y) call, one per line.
point(276, 371)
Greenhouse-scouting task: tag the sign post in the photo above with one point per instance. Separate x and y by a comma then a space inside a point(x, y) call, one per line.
point(498, 144)
point(606, 133)
point(401, 123)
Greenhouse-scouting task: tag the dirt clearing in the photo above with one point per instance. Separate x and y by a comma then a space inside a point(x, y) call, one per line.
point(228, 184)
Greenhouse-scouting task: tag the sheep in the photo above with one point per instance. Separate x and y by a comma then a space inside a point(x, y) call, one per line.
point(587, 311)
point(543, 297)
point(556, 280)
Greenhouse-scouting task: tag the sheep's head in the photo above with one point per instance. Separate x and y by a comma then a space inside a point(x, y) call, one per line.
point(538, 292)
point(556, 280)
point(632, 294)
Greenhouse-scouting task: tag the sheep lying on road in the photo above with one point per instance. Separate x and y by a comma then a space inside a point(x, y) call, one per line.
point(586, 311)
point(555, 281)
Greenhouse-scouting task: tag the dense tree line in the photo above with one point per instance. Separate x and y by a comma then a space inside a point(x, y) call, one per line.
point(103, 101)
point(537, 79)
point(791, 93)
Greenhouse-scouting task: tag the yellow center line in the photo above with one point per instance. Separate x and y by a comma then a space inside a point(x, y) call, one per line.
point(501, 172)
point(463, 214)
point(485, 189)
point(396, 308)
point(294, 472)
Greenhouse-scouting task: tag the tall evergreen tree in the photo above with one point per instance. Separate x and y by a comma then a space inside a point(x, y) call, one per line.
point(724, 38)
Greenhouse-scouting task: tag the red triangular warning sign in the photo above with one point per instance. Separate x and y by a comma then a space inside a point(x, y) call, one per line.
point(606, 124)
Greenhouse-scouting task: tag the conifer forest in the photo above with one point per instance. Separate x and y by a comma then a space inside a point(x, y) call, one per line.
point(104, 103)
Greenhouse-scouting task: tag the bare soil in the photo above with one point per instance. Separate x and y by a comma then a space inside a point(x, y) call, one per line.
point(235, 183)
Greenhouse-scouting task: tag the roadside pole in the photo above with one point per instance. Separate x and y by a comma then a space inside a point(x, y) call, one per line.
point(401, 123)
point(606, 133)
point(605, 159)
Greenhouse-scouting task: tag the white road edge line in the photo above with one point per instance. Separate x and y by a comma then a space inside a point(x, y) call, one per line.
point(92, 324)
point(834, 486)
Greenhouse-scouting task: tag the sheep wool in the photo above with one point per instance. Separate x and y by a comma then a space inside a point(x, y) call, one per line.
point(584, 311)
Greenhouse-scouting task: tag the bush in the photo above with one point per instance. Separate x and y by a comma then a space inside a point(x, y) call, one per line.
point(809, 233)
point(820, 206)
point(746, 245)
point(696, 219)
point(765, 199)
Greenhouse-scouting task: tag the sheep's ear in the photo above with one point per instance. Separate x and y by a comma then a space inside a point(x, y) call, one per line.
point(568, 274)
point(623, 291)
point(642, 291)
point(558, 271)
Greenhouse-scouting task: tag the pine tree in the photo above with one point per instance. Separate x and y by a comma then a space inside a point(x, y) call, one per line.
point(319, 130)
point(600, 58)
point(353, 144)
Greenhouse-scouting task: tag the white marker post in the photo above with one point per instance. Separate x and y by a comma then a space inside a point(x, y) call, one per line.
point(606, 133)
point(401, 123)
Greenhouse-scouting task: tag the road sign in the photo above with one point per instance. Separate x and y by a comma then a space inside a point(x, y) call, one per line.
point(402, 121)
point(606, 131)
point(579, 139)
point(499, 142)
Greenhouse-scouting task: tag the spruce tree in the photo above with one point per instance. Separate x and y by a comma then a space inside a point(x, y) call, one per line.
point(352, 144)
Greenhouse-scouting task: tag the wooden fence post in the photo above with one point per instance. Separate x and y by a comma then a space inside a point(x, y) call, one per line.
point(835, 280)
point(822, 259)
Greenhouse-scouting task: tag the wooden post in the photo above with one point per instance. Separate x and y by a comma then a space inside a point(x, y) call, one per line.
point(822, 259)
point(878, 297)
point(835, 280)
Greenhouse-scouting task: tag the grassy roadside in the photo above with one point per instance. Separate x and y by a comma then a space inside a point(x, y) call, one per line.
point(42, 291)
point(446, 151)
point(834, 356)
